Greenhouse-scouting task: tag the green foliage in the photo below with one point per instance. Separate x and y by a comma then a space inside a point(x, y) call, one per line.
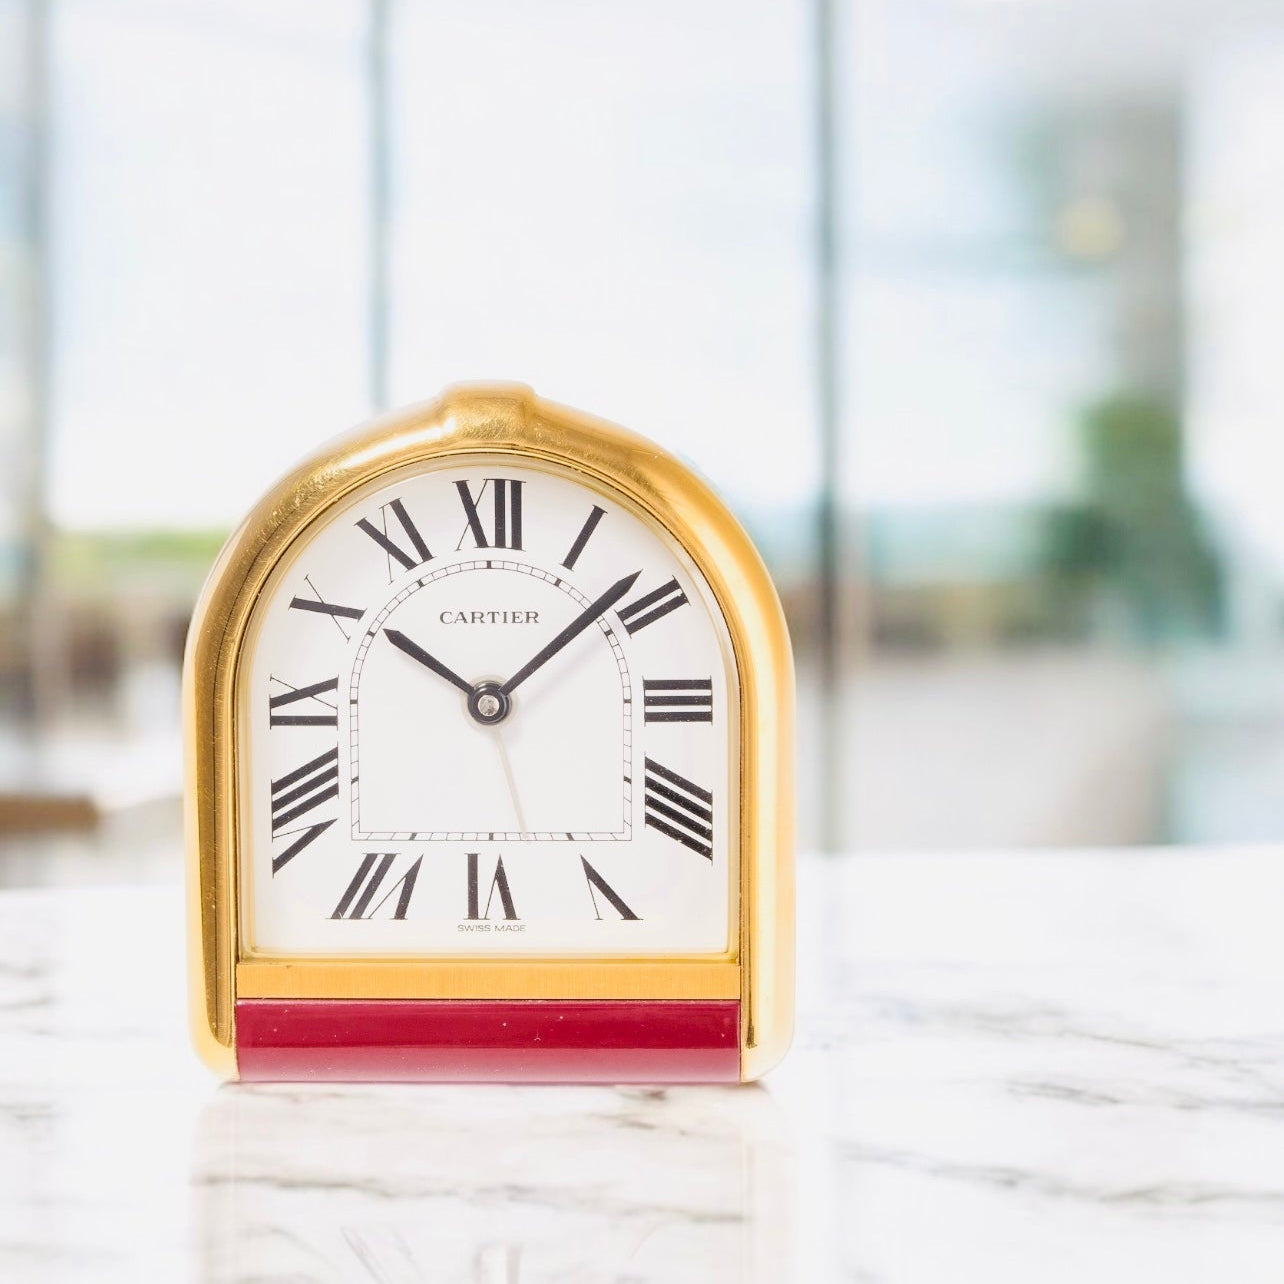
point(99, 563)
point(1137, 536)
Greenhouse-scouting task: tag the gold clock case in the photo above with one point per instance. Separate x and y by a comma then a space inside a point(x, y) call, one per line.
point(501, 419)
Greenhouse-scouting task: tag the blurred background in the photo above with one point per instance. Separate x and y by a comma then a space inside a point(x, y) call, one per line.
point(971, 309)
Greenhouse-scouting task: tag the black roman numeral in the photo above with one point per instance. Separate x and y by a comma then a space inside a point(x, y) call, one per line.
point(678, 808)
point(322, 607)
point(590, 525)
point(506, 521)
point(368, 880)
point(677, 700)
point(293, 695)
point(498, 883)
point(297, 793)
point(595, 880)
point(418, 553)
point(651, 606)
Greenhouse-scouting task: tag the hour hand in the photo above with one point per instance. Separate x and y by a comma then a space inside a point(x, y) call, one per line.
point(416, 652)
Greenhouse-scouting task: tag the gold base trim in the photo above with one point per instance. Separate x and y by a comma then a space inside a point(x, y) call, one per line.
point(498, 979)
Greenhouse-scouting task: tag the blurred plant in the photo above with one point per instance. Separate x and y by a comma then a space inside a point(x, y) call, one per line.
point(1137, 543)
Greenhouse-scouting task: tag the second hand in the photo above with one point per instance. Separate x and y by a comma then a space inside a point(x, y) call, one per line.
point(512, 783)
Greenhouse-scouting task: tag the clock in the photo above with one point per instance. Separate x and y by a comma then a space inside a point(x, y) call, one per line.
point(489, 715)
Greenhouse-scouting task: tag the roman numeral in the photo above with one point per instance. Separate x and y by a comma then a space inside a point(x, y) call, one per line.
point(293, 695)
point(677, 700)
point(498, 883)
point(506, 520)
point(678, 808)
point(368, 880)
point(651, 606)
point(418, 553)
point(322, 607)
point(295, 795)
point(590, 525)
point(595, 880)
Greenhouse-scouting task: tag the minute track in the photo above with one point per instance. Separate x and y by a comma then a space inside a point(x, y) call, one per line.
point(371, 825)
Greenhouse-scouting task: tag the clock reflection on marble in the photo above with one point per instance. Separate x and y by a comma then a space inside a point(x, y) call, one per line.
point(399, 1184)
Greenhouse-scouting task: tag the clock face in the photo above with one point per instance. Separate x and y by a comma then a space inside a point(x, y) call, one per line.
point(488, 708)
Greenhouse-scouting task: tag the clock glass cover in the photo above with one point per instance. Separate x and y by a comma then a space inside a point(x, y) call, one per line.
point(490, 709)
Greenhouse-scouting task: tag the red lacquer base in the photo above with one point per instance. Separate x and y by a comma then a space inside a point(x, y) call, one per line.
point(503, 1041)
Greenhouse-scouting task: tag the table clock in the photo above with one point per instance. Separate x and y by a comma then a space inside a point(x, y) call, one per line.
point(489, 726)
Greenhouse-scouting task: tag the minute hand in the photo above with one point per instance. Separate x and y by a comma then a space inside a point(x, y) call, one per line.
point(573, 629)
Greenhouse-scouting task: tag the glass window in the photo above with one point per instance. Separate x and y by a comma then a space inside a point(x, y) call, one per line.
point(611, 203)
point(209, 251)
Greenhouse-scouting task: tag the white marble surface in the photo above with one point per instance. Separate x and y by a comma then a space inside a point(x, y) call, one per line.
point(1057, 1067)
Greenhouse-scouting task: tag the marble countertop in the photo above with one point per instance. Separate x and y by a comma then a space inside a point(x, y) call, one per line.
point(1035, 1067)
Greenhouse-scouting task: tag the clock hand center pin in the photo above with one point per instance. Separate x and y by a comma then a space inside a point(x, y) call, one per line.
point(488, 703)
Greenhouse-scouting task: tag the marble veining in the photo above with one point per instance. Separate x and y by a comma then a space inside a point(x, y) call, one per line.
point(1052, 1067)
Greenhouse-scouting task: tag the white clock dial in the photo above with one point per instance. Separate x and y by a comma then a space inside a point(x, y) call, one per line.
point(490, 709)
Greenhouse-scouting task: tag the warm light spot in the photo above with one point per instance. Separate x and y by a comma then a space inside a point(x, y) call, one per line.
point(1090, 227)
